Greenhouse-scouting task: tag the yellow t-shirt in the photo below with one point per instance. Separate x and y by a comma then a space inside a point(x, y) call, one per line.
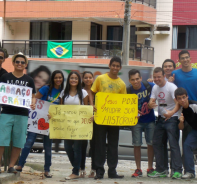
point(104, 83)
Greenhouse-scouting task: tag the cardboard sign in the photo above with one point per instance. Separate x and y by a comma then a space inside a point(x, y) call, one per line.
point(116, 109)
point(20, 96)
point(71, 122)
point(38, 120)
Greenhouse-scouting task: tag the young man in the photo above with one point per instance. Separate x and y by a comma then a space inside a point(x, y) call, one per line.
point(146, 121)
point(163, 92)
point(108, 83)
point(189, 113)
point(2, 59)
point(13, 120)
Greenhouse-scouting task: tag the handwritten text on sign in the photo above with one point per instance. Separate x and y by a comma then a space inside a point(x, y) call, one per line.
point(116, 109)
point(15, 95)
point(71, 122)
point(38, 120)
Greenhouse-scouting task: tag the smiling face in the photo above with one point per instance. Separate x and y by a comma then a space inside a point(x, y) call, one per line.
point(168, 68)
point(115, 68)
point(88, 79)
point(73, 81)
point(135, 81)
point(159, 79)
point(19, 64)
point(185, 60)
point(41, 79)
point(58, 79)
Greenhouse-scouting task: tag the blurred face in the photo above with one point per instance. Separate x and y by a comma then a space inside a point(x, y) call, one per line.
point(115, 68)
point(135, 81)
point(58, 79)
point(88, 79)
point(183, 100)
point(159, 79)
point(73, 80)
point(19, 64)
point(1, 58)
point(41, 79)
point(185, 60)
point(168, 68)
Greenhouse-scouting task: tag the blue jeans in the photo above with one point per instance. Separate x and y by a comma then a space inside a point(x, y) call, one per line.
point(170, 127)
point(31, 137)
point(189, 146)
point(73, 150)
point(137, 130)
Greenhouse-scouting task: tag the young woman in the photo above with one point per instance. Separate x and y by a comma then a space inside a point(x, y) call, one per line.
point(50, 93)
point(41, 76)
point(74, 95)
point(87, 81)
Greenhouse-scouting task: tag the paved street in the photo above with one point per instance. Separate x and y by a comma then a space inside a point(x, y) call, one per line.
point(32, 173)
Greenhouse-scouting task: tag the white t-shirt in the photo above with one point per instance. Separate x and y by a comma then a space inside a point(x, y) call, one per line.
point(165, 97)
point(73, 100)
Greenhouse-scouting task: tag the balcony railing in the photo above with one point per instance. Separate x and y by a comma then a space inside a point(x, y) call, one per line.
point(81, 48)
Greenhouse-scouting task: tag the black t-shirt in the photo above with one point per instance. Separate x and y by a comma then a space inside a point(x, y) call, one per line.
point(25, 80)
point(2, 71)
point(190, 114)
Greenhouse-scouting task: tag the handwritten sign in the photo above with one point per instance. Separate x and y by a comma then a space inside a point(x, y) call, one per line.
point(15, 95)
point(71, 122)
point(38, 120)
point(116, 109)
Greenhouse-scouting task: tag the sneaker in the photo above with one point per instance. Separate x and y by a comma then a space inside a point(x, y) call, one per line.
point(156, 174)
point(188, 175)
point(150, 171)
point(137, 173)
point(177, 175)
point(167, 172)
point(172, 173)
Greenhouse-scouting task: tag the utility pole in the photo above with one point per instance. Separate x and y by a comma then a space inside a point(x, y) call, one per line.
point(126, 32)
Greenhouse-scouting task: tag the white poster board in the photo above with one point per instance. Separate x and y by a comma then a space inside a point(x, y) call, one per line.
point(19, 96)
point(38, 121)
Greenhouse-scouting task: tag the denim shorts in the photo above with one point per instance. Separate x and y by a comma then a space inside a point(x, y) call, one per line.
point(137, 130)
point(13, 127)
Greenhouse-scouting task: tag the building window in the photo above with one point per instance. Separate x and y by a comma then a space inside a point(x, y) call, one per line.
point(184, 37)
point(96, 34)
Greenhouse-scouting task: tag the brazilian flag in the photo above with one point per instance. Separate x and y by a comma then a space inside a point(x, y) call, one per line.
point(59, 50)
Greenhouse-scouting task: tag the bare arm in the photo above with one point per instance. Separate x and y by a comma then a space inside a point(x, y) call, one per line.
point(170, 113)
point(33, 103)
point(152, 103)
point(181, 124)
point(61, 101)
point(85, 100)
point(38, 95)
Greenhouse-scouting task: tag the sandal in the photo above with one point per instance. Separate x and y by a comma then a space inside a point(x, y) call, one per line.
point(71, 177)
point(82, 174)
point(19, 170)
point(48, 175)
point(92, 174)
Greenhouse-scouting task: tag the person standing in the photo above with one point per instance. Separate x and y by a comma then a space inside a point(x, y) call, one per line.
point(168, 121)
point(14, 120)
point(50, 93)
point(108, 83)
point(146, 121)
point(189, 113)
point(2, 59)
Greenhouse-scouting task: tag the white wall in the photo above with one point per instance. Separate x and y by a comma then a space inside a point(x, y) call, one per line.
point(163, 43)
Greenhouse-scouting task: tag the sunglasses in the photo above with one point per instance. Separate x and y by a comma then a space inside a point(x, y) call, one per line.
point(18, 62)
point(1, 57)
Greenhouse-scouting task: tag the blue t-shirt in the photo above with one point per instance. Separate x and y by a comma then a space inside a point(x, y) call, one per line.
point(147, 114)
point(50, 98)
point(188, 81)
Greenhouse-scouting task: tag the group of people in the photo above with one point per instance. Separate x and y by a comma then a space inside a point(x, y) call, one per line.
point(175, 108)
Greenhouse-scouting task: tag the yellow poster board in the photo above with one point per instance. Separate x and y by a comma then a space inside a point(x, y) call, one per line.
point(116, 109)
point(71, 122)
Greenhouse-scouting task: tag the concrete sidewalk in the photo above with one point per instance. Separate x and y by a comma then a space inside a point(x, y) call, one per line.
point(7, 177)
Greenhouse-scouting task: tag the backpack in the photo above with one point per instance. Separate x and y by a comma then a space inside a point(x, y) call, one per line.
point(147, 86)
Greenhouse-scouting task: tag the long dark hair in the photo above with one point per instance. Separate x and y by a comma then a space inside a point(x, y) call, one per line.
point(79, 88)
point(51, 83)
point(83, 85)
point(41, 68)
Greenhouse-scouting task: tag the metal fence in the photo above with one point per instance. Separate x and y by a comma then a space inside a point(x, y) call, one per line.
point(84, 48)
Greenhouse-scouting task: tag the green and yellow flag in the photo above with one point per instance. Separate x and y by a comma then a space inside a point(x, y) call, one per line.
point(59, 50)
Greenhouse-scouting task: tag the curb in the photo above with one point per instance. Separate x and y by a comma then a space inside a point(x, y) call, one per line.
point(6, 177)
